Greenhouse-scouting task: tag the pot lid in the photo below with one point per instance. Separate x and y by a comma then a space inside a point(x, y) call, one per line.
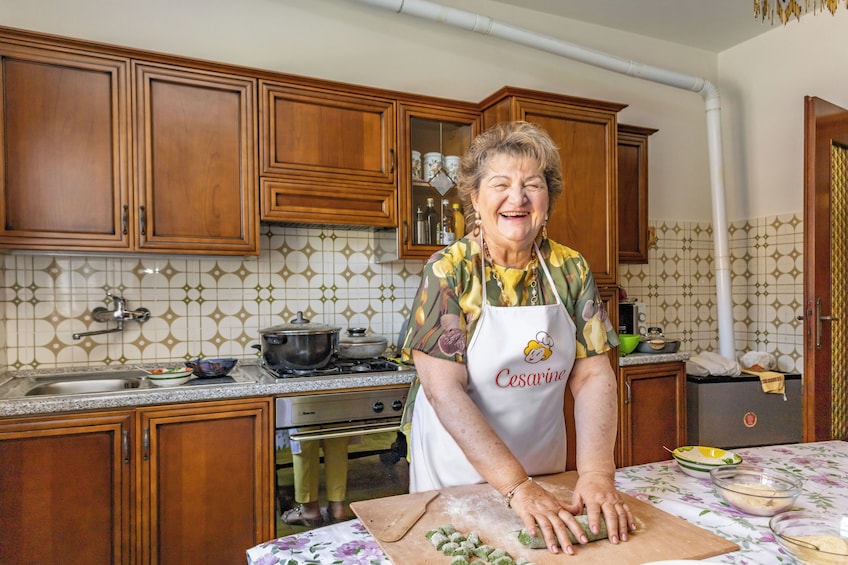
point(357, 336)
point(300, 326)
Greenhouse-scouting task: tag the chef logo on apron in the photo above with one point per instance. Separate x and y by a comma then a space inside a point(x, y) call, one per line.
point(539, 349)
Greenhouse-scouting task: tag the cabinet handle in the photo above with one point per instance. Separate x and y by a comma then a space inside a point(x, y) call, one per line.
point(142, 220)
point(392, 161)
point(145, 444)
point(405, 232)
point(125, 445)
point(627, 397)
point(124, 219)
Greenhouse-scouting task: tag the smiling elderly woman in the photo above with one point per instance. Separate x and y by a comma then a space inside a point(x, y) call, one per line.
point(507, 300)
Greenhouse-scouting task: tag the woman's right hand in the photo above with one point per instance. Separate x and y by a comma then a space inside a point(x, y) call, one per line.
point(543, 514)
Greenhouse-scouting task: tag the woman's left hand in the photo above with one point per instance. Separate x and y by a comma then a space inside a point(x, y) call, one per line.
point(597, 493)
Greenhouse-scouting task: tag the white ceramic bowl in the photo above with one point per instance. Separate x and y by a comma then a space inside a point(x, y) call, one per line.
point(174, 376)
point(756, 490)
point(698, 460)
point(812, 538)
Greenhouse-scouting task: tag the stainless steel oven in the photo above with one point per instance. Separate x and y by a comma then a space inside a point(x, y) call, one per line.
point(370, 417)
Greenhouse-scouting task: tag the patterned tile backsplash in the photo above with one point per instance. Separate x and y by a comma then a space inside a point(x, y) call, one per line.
point(216, 306)
point(678, 285)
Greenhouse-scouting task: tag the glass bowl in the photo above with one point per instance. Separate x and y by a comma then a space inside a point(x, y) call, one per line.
point(756, 490)
point(812, 538)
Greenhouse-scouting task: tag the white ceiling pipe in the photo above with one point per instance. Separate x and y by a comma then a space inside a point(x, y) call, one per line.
point(488, 26)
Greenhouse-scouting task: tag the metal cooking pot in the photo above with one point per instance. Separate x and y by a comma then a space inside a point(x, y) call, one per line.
point(357, 345)
point(299, 345)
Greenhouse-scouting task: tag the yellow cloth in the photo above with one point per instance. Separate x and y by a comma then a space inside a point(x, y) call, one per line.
point(771, 381)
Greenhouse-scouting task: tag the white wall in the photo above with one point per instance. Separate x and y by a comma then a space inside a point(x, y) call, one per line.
point(762, 81)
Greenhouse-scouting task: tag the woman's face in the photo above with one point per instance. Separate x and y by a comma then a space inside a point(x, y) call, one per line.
point(512, 201)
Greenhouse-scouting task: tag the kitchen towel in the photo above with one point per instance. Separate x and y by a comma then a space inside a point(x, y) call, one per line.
point(771, 381)
point(708, 363)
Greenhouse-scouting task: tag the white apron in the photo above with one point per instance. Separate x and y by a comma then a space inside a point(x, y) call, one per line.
point(518, 361)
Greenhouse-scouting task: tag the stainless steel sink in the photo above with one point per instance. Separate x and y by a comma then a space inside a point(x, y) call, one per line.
point(86, 383)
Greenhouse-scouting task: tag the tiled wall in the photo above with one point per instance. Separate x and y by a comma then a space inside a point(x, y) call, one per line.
point(678, 286)
point(200, 306)
point(216, 306)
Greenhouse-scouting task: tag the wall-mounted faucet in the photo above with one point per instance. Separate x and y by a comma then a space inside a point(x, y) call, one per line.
point(119, 314)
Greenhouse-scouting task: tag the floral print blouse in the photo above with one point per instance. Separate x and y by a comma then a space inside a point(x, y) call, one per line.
point(449, 300)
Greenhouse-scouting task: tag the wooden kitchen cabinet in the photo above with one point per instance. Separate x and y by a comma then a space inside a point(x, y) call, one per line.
point(327, 156)
point(196, 162)
point(652, 406)
point(189, 483)
point(585, 217)
point(425, 126)
point(633, 193)
point(65, 485)
point(104, 153)
point(205, 484)
point(65, 174)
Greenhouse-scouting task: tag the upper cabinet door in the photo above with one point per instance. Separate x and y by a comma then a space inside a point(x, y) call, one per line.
point(64, 167)
point(441, 132)
point(585, 217)
point(633, 193)
point(196, 161)
point(315, 133)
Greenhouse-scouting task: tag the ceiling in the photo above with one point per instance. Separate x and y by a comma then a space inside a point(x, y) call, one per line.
point(712, 25)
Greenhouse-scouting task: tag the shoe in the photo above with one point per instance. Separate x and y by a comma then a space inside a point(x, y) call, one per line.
point(295, 517)
point(330, 519)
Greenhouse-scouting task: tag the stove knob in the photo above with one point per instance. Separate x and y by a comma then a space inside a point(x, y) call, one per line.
point(397, 405)
point(377, 407)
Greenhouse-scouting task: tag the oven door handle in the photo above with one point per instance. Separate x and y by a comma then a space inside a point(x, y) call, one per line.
point(358, 430)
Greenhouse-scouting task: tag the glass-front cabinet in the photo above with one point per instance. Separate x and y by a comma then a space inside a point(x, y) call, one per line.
point(433, 137)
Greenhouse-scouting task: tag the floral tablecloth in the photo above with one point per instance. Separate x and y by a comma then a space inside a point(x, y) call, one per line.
point(824, 466)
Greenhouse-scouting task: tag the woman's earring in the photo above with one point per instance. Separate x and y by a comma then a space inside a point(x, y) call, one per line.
point(545, 231)
point(478, 221)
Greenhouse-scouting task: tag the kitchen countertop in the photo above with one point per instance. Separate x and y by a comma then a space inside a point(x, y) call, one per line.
point(250, 381)
point(648, 358)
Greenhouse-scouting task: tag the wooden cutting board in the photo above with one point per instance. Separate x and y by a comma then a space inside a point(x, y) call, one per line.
point(478, 508)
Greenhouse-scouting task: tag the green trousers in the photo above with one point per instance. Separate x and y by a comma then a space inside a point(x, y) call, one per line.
point(307, 465)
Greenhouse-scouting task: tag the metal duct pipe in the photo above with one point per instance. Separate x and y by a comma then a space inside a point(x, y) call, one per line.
point(488, 26)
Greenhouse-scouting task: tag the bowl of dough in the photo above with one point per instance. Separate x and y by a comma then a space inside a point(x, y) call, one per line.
point(812, 538)
point(698, 460)
point(756, 490)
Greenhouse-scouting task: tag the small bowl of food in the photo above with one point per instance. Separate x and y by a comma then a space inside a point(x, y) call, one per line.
point(756, 490)
point(169, 376)
point(212, 368)
point(812, 538)
point(698, 460)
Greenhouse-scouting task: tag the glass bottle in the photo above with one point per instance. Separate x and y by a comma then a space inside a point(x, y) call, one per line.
point(431, 218)
point(420, 228)
point(448, 234)
point(458, 221)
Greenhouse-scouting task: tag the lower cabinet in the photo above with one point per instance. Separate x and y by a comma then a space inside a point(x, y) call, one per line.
point(187, 483)
point(652, 412)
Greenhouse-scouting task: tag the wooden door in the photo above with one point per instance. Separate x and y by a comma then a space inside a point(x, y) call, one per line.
point(196, 189)
point(653, 411)
point(633, 193)
point(64, 167)
point(65, 489)
point(825, 269)
point(206, 491)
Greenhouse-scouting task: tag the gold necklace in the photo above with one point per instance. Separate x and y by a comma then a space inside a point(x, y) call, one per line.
point(532, 266)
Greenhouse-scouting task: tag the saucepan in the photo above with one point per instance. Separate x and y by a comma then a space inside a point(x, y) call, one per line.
point(357, 345)
point(299, 345)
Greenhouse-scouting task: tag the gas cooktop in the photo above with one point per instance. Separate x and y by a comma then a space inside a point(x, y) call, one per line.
point(342, 367)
